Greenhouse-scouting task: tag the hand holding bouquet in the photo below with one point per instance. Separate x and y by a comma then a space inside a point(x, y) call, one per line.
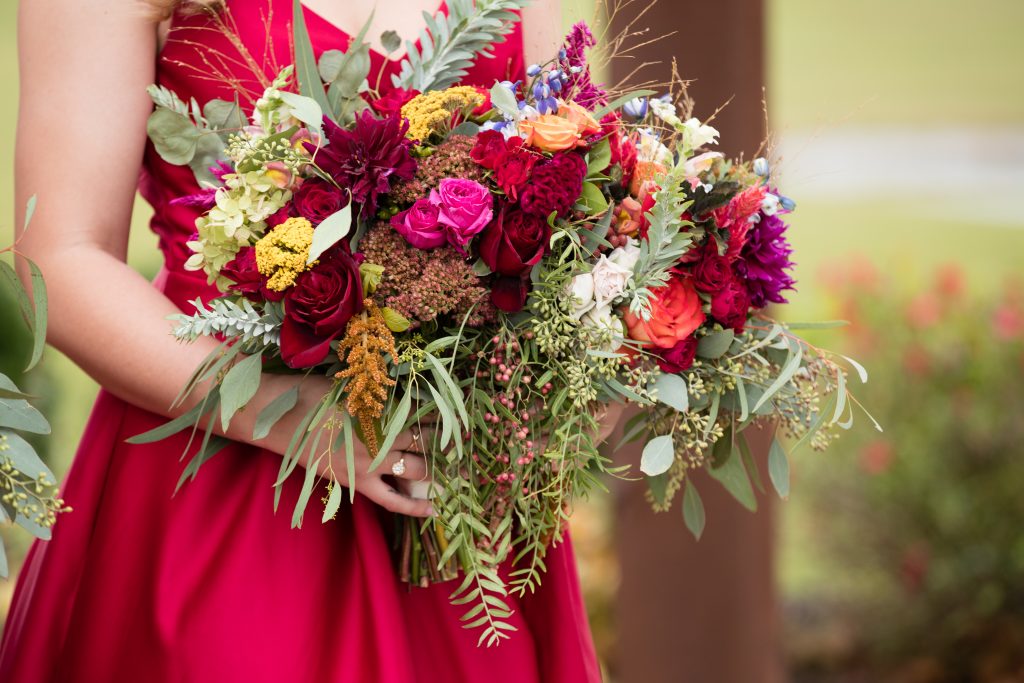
point(491, 269)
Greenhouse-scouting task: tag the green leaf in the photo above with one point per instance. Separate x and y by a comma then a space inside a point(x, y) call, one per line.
point(658, 486)
point(715, 344)
point(330, 65)
point(673, 391)
point(24, 303)
point(788, 370)
point(619, 101)
point(239, 386)
point(30, 210)
point(212, 445)
point(504, 101)
point(657, 455)
point(274, 411)
point(778, 468)
point(693, 509)
point(39, 317)
point(861, 371)
point(23, 456)
point(391, 41)
point(176, 425)
point(593, 200)
point(16, 413)
point(224, 115)
point(730, 473)
point(333, 503)
point(4, 571)
point(396, 423)
point(820, 325)
point(174, 136)
point(305, 109)
point(305, 61)
point(330, 232)
point(600, 157)
point(395, 321)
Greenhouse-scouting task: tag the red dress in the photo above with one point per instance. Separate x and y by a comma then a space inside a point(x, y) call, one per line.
point(212, 585)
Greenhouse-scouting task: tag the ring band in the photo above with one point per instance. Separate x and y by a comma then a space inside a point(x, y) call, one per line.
point(398, 469)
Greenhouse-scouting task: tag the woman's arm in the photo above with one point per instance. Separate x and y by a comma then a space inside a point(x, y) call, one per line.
point(542, 30)
point(84, 68)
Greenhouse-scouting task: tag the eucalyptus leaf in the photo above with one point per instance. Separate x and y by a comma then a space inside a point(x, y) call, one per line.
point(715, 344)
point(23, 456)
point(223, 115)
point(673, 391)
point(731, 473)
point(174, 136)
point(504, 101)
point(786, 374)
point(593, 200)
point(305, 61)
point(391, 41)
point(693, 509)
point(333, 503)
point(657, 455)
point(17, 413)
point(330, 232)
point(239, 386)
point(4, 571)
point(30, 210)
point(778, 468)
point(274, 411)
point(305, 109)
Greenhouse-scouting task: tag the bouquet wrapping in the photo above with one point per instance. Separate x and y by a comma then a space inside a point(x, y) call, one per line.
point(491, 269)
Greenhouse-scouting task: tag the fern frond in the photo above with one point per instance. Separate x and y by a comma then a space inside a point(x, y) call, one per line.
point(450, 44)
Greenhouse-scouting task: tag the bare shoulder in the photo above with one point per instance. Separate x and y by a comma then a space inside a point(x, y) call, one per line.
point(542, 30)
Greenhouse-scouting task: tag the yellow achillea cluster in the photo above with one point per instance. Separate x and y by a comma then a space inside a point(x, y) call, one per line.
point(367, 341)
point(432, 111)
point(282, 253)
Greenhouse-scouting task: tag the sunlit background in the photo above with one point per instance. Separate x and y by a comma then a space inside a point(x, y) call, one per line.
point(900, 126)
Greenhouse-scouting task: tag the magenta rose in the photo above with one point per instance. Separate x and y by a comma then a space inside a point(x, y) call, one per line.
point(679, 357)
point(730, 305)
point(317, 199)
point(464, 207)
point(514, 242)
point(712, 271)
point(318, 307)
point(419, 225)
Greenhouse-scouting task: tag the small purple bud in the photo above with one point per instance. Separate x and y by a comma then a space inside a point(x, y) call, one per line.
point(761, 167)
point(556, 85)
point(636, 108)
point(533, 70)
point(786, 203)
point(562, 54)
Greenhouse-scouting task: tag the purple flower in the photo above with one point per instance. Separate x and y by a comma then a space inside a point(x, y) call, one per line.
point(764, 263)
point(574, 64)
point(367, 158)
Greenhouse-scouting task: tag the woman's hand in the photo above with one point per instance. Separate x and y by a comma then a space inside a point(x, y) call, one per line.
point(384, 486)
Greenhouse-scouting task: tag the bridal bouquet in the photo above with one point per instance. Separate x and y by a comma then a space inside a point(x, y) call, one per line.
point(491, 268)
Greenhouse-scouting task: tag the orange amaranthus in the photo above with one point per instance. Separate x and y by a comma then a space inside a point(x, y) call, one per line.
point(366, 344)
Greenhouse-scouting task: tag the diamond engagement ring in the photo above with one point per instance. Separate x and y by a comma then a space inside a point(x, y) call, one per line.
point(398, 469)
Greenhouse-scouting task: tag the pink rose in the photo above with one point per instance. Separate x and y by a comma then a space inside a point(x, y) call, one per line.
point(464, 207)
point(419, 225)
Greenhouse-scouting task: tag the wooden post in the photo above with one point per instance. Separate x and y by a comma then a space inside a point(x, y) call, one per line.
point(687, 611)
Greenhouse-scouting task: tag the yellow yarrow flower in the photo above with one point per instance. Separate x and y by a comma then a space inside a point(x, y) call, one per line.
point(431, 111)
point(282, 253)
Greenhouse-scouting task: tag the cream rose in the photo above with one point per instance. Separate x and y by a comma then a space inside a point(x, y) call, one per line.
point(610, 280)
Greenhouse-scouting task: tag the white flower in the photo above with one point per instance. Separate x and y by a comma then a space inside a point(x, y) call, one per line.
point(697, 135)
point(666, 111)
point(649, 148)
point(602, 318)
point(581, 291)
point(700, 163)
point(770, 204)
point(610, 280)
point(626, 256)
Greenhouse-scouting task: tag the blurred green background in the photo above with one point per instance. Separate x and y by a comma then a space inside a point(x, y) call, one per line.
point(900, 125)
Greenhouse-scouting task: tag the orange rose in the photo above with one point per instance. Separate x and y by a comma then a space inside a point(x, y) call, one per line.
point(645, 171)
point(675, 314)
point(585, 123)
point(550, 133)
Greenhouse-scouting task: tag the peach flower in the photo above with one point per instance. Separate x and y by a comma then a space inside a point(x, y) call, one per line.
point(585, 123)
point(645, 171)
point(549, 133)
point(675, 313)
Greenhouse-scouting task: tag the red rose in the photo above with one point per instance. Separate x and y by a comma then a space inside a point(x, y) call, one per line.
point(712, 271)
point(280, 216)
point(246, 277)
point(514, 171)
point(318, 307)
point(485, 105)
point(555, 185)
point(730, 305)
point(490, 149)
point(513, 242)
point(508, 294)
point(392, 103)
point(317, 199)
point(679, 357)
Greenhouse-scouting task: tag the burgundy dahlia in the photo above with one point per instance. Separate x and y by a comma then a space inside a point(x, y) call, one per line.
point(367, 158)
point(764, 263)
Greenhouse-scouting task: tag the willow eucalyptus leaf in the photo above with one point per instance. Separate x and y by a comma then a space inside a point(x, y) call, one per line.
point(657, 455)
